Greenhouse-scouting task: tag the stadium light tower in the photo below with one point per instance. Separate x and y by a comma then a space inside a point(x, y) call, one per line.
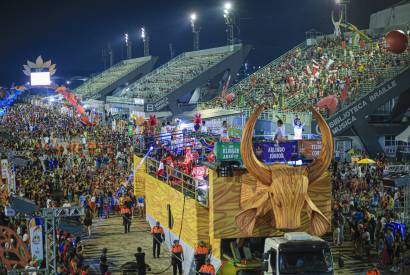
point(229, 21)
point(145, 39)
point(128, 45)
point(343, 5)
point(195, 32)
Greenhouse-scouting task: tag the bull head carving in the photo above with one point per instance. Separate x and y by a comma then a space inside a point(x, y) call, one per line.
point(282, 191)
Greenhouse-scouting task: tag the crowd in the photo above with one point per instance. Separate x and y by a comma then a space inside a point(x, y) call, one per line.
point(368, 212)
point(340, 67)
point(67, 164)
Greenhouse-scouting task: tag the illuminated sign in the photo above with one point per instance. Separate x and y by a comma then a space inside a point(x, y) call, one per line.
point(40, 79)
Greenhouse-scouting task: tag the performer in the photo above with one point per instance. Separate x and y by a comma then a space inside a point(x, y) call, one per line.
point(298, 128)
point(280, 134)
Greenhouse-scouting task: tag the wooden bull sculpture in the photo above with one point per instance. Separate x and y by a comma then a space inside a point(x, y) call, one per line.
point(281, 191)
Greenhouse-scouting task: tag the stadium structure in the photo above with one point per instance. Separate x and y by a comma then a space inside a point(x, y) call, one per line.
point(179, 84)
point(104, 84)
point(371, 117)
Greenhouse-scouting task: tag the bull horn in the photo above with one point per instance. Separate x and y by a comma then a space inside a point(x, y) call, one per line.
point(256, 168)
point(322, 162)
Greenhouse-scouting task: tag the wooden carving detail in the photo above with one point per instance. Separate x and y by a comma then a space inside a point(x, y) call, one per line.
point(13, 251)
point(281, 191)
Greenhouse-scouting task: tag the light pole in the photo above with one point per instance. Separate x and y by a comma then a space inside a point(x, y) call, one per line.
point(229, 21)
point(343, 5)
point(145, 39)
point(111, 55)
point(128, 45)
point(195, 32)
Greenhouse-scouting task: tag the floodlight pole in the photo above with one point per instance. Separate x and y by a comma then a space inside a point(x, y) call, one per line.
point(229, 22)
point(128, 44)
point(195, 33)
point(343, 5)
point(111, 54)
point(145, 40)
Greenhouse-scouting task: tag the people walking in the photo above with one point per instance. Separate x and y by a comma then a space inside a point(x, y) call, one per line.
point(177, 257)
point(201, 254)
point(158, 237)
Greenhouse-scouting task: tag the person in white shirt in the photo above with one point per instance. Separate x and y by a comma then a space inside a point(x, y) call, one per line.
point(204, 129)
point(164, 132)
point(280, 134)
point(298, 128)
point(224, 136)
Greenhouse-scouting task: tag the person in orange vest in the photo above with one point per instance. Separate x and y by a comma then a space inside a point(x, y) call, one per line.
point(158, 237)
point(373, 271)
point(207, 269)
point(126, 218)
point(177, 256)
point(201, 252)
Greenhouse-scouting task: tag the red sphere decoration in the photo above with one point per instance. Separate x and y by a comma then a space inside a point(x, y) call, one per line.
point(396, 41)
point(229, 97)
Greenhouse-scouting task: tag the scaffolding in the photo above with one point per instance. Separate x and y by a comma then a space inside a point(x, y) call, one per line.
point(52, 218)
point(407, 205)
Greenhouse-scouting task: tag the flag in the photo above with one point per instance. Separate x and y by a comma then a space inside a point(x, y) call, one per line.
point(329, 63)
point(225, 86)
point(315, 68)
point(345, 92)
point(161, 170)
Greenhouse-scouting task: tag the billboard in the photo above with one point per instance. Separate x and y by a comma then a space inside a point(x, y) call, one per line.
point(40, 78)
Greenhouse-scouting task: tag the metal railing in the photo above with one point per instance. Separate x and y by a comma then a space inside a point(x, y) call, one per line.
point(187, 185)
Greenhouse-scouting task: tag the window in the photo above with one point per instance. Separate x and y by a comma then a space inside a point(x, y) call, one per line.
point(389, 141)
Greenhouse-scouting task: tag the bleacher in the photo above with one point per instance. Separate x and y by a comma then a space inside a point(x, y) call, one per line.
point(95, 86)
point(366, 66)
point(175, 73)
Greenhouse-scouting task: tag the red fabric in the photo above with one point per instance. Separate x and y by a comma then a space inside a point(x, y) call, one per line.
point(345, 92)
point(329, 102)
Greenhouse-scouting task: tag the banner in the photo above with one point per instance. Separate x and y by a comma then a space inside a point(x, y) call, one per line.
point(235, 132)
point(227, 151)
point(269, 152)
point(4, 168)
point(310, 149)
point(36, 239)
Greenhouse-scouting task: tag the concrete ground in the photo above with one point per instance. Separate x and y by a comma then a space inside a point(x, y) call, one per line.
point(109, 233)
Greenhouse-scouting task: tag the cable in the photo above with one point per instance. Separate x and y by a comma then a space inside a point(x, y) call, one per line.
point(169, 236)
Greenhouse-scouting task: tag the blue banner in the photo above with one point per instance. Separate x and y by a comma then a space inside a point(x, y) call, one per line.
point(270, 152)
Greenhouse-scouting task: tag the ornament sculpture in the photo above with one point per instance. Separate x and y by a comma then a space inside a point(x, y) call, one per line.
point(13, 251)
point(282, 191)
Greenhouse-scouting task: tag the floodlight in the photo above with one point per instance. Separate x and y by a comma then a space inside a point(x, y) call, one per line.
point(228, 6)
point(193, 17)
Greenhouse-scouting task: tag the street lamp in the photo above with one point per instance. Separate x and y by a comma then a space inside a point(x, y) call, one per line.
point(229, 21)
point(145, 40)
point(195, 32)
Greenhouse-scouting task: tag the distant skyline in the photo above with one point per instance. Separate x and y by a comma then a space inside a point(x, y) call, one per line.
point(72, 33)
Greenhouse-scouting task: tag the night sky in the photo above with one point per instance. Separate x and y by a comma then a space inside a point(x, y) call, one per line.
point(73, 32)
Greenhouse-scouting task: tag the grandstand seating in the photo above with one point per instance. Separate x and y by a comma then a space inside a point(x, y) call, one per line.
point(177, 72)
point(93, 87)
point(289, 82)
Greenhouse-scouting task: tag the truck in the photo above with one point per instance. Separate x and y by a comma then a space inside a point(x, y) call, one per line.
point(297, 253)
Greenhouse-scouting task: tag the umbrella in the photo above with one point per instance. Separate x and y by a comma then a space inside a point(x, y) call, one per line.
point(366, 161)
point(330, 102)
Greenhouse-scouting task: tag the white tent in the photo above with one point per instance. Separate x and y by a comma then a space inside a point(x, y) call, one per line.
point(404, 136)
